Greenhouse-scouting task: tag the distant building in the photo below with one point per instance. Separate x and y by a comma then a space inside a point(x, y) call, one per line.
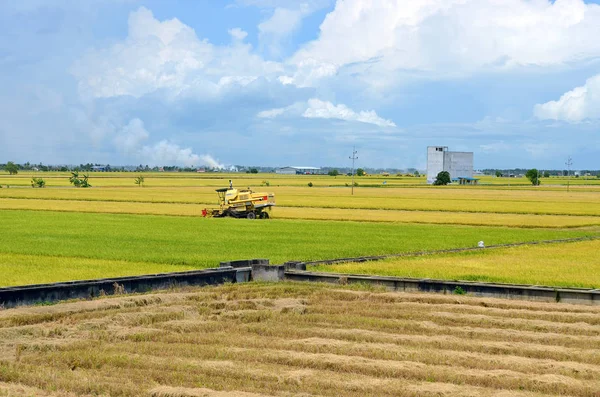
point(99, 168)
point(466, 180)
point(298, 170)
point(458, 164)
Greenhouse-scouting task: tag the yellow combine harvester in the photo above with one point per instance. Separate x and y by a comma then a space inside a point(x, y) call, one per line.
point(242, 204)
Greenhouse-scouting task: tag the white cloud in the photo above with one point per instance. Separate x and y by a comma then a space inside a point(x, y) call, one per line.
point(495, 147)
point(327, 110)
point(239, 80)
point(541, 150)
point(449, 37)
point(169, 56)
point(318, 109)
point(308, 72)
point(286, 18)
point(578, 104)
point(237, 33)
point(282, 22)
point(271, 114)
point(131, 136)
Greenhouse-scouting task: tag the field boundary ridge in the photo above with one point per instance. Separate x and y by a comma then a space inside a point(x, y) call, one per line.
point(37, 294)
point(585, 296)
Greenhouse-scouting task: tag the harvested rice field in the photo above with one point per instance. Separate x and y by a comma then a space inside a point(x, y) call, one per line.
point(299, 339)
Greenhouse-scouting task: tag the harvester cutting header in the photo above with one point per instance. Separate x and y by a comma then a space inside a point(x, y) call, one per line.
point(242, 204)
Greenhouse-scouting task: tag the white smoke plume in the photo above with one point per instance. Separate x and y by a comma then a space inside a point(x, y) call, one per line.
point(131, 137)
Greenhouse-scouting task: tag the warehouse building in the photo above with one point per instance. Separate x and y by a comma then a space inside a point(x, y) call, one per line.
point(298, 170)
point(458, 164)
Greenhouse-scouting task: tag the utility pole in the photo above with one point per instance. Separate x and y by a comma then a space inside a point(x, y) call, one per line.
point(353, 157)
point(569, 163)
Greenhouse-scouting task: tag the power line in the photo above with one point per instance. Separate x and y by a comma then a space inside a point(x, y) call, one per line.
point(353, 158)
point(569, 163)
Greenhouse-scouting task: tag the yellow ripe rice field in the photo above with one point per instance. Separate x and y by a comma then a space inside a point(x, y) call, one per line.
point(574, 264)
point(530, 201)
point(397, 203)
point(338, 214)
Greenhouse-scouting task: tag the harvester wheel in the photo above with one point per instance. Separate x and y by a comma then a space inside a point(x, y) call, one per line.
point(264, 215)
point(251, 215)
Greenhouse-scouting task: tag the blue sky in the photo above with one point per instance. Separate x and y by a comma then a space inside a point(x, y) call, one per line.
point(278, 82)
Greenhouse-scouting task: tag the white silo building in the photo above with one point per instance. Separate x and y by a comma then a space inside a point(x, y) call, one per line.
point(458, 164)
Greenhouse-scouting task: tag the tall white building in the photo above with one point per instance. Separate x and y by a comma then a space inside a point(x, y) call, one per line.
point(458, 164)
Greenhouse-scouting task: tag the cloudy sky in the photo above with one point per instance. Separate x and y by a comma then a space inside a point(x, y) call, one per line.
point(300, 82)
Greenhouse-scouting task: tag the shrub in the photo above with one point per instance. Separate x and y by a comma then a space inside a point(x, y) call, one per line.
point(139, 181)
point(38, 182)
point(79, 182)
point(333, 173)
point(310, 184)
point(459, 291)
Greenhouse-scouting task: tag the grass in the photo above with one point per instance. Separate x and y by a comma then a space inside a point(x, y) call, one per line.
point(575, 264)
point(202, 243)
point(22, 269)
point(300, 339)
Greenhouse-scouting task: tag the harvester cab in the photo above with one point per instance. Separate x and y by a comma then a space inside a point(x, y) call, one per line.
point(242, 203)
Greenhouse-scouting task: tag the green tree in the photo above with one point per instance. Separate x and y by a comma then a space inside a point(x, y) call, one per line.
point(253, 171)
point(12, 168)
point(498, 173)
point(533, 176)
point(333, 173)
point(360, 172)
point(546, 174)
point(417, 174)
point(442, 178)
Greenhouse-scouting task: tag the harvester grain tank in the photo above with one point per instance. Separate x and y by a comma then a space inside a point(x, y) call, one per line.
point(243, 203)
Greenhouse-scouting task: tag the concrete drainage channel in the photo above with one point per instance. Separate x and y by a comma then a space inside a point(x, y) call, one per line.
point(261, 270)
point(228, 272)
